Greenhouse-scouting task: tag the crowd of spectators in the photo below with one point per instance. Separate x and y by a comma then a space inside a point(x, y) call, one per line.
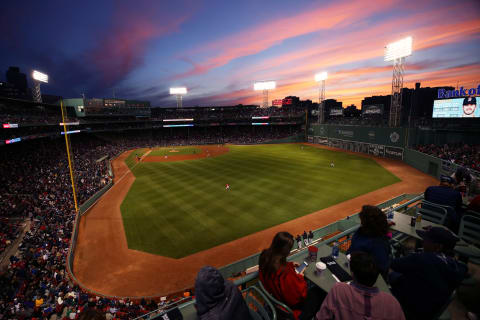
point(460, 153)
point(368, 121)
point(225, 113)
point(29, 113)
point(35, 185)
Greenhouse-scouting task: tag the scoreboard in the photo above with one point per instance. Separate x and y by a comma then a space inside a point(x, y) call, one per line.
point(455, 108)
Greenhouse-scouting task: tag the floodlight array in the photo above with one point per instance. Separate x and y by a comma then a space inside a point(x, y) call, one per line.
point(398, 49)
point(321, 76)
point(178, 90)
point(264, 85)
point(39, 76)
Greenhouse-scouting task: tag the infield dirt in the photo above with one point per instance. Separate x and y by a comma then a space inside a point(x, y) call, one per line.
point(104, 264)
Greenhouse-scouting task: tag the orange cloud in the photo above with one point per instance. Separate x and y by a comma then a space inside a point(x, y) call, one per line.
point(259, 38)
point(355, 91)
point(294, 70)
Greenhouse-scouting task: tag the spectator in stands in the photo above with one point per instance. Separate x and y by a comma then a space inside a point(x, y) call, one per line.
point(445, 195)
point(372, 237)
point(360, 299)
point(474, 204)
point(461, 154)
point(217, 298)
point(282, 281)
point(463, 180)
point(423, 282)
point(35, 184)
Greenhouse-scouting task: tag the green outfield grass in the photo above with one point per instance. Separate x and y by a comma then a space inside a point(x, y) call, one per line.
point(131, 160)
point(180, 151)
point(175, 209)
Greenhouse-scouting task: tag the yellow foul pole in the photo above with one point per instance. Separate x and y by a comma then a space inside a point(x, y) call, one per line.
point(69, 158)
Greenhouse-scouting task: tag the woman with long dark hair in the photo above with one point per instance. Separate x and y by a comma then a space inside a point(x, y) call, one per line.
point(372, 237)
point(282, 281)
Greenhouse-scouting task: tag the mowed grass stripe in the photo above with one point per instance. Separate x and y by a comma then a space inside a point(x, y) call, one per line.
point(167, 151)
point(131, 160)
point(178, 208)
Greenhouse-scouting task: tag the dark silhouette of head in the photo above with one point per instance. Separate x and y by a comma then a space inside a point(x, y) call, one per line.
point(364, 268)
point(374, 222)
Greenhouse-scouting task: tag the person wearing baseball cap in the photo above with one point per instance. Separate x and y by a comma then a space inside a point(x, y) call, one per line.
point(469, 106)
point(446, 195)
point(426, 280)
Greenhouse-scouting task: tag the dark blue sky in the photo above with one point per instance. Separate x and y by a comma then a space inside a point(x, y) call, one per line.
point(218, 48)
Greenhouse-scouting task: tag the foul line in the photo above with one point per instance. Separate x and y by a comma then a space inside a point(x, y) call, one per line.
point(130, 170)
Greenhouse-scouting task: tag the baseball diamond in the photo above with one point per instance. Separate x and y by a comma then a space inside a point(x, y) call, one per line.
point(177, 208)
point(124, 271)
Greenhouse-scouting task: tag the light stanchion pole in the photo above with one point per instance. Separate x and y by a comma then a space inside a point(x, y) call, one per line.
point(321, 78)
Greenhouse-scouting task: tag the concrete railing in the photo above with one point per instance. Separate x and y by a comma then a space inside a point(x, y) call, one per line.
point(347, 226)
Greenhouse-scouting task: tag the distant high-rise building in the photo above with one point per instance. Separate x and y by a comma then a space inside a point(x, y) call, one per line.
point(17, 79)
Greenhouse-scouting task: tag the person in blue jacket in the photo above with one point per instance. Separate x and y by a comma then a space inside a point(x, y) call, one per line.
point(372, 237)
point(423, 282)
point(217, 298)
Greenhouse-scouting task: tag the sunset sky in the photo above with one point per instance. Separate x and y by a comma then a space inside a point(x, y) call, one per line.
point(217, 49)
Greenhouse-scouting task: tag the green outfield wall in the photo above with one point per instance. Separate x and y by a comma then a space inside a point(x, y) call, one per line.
point(394, 137)
point(292, 139)
point(377, 141)
point(423, 162)
point(395, 143)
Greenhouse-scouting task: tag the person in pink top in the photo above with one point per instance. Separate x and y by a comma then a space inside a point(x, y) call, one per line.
point(360, 299)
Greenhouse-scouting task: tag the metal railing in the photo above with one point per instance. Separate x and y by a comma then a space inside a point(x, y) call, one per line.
point(249, 278)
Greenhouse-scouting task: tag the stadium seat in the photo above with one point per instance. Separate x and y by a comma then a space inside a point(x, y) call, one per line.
point(431, 212)
point(470, 229)
point(258, 304)
point(470, 232)
point(472, 213)
point(283, 311)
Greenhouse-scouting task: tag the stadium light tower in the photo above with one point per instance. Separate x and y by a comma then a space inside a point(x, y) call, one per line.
point(38, 78)
point(321, 78)
point(178, 92)
point(396, 52)
point(264, 86)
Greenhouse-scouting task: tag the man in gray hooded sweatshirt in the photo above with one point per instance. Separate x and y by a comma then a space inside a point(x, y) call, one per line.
point(217, 298)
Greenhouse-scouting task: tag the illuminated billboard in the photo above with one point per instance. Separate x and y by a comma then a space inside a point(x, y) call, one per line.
point(468, 107)
point(336, 112)
point(281, 102)
point(372, 109)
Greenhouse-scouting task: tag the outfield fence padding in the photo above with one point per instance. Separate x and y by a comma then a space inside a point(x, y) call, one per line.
point(292, 139)
point(385, 136)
